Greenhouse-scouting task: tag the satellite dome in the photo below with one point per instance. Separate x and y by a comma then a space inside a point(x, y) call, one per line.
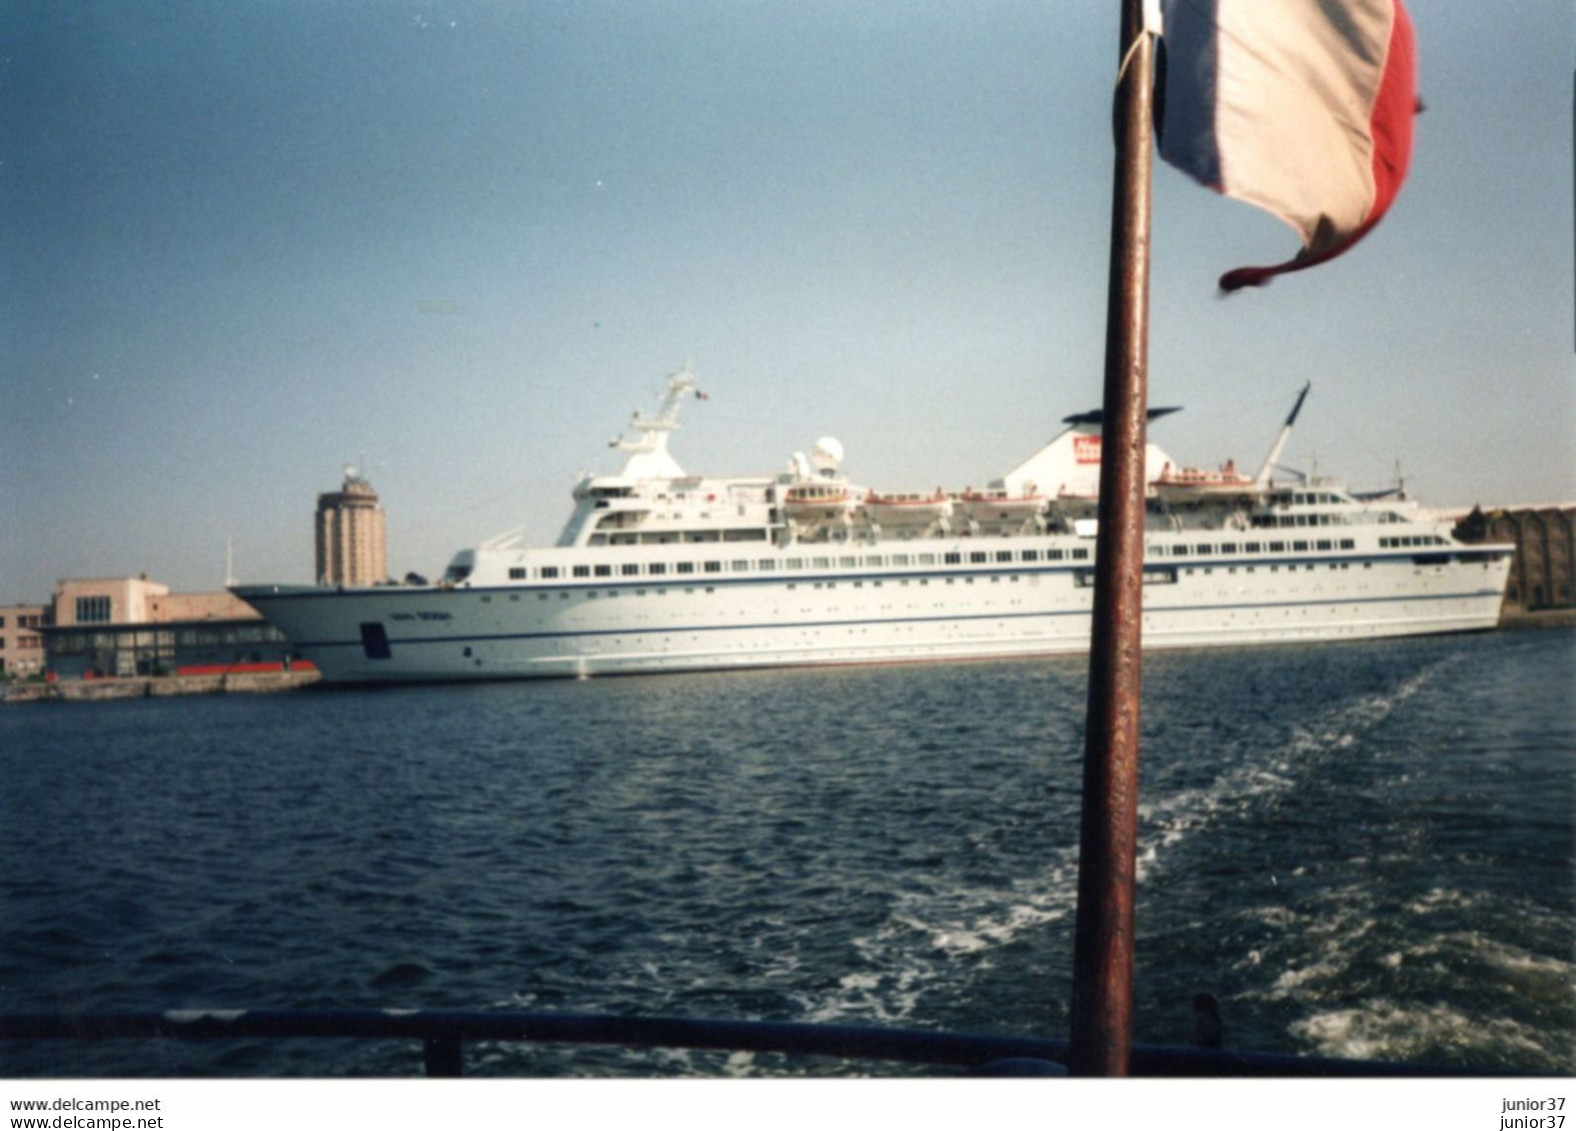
point(828, 454)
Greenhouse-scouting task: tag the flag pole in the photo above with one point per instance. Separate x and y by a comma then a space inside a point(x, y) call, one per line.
point(1101, 1031)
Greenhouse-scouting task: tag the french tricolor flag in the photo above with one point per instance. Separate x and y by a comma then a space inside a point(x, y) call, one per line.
point(1302, 107)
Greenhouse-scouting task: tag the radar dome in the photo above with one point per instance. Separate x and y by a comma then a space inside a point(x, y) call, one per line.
point(828, 454)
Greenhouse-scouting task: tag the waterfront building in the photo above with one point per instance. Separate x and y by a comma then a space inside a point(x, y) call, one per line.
point(351, 541)
point(1545, 538)
point(21, 645)
point(105, 600)
point(124, 627)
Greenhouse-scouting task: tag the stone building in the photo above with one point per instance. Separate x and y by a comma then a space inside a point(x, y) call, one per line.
point(1540, 573)
point(351, 542)
point(21, 645)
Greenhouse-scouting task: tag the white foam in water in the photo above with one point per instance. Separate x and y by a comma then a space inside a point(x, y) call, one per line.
point(1383, 1030)
point(929, 933)
point(1170, 820)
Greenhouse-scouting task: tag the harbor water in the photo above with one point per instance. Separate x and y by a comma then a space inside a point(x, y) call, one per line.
point(1359, 850)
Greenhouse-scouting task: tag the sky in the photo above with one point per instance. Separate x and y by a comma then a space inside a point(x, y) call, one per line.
point(457, 243)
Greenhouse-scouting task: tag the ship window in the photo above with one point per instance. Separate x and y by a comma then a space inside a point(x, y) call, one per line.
point(820, 563)
point(1277, 547)
point(1054, 555)
point(541, 596)
point(951, 558)
point(549, 571)
point(686, 567)
point(1228, 547)
point(927, 559)
point(765, 565)
point(1299, 545)
point(713, 567)
point(657, 568)
point(1324, 545)
point(604, 571)
point(794, 563)
point(1031, 555)
point(1203, 548)
point(563, 596)
point(1004, 555)
point(877, 560)
point(1080, 555)
point(1179, 551)
point(740, 567)
point(374, 640)
point(979, 556)
point(847, 563)
point(1253, 547)
point(900, 559)
point(582, 571)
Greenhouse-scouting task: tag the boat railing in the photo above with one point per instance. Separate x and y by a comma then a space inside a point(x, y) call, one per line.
point(444, 1035)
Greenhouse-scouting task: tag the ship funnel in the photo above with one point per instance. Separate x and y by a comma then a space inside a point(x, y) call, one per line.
point(1261, 481)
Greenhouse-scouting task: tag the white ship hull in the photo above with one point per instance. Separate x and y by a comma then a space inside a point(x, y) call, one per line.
point(660, 571)
point(869, 614)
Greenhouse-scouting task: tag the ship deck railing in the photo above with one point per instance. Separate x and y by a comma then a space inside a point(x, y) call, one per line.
point(444, 1034)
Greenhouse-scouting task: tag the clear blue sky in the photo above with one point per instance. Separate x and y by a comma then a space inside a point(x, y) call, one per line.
point(243, 244)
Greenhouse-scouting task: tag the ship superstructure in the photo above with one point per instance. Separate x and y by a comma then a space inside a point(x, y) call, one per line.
point(659, 570)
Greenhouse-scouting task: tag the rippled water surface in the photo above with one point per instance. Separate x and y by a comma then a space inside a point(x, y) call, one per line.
point(1360, 850)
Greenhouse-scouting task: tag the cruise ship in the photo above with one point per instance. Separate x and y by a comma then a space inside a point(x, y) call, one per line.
point(658, 570)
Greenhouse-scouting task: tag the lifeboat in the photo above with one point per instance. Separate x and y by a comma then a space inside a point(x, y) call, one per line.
point(817, 502)
point(1194, 484)
point(907, 508)
point(999, 506)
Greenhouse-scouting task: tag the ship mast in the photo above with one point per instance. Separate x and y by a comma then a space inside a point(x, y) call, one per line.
point(1101, 1029)
point(648, 447)
point(1261, 482)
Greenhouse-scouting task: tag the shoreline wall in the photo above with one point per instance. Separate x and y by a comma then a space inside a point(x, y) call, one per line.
point(154, 687)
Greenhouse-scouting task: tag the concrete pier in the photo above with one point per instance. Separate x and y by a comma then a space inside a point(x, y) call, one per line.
point(149, 687)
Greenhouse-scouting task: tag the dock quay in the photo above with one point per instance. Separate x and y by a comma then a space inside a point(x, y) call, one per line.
point(154, 687)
